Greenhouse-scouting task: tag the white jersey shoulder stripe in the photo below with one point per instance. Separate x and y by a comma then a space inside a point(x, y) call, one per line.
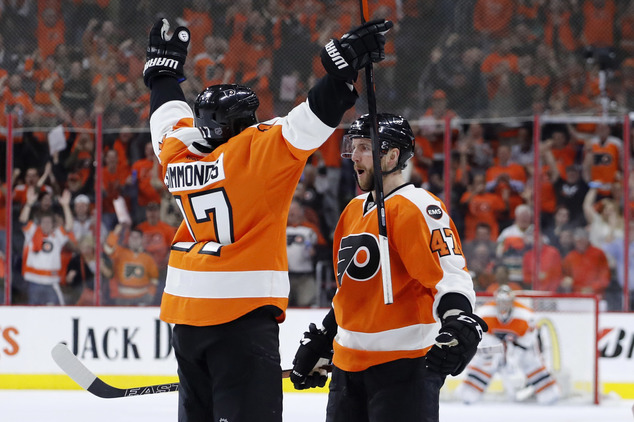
point(413, 337)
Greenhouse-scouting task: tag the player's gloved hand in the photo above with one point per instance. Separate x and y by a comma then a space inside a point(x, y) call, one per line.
point(456, 344)
point(165, 56)
point(315, 351)
point(363, 45)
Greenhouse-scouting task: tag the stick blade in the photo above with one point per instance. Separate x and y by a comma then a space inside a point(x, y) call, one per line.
point(69, 363)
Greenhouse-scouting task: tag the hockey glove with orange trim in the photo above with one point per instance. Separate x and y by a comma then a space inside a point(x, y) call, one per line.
point(365, 44)
point(165, 56)
point(315, 351)
point(456, 344)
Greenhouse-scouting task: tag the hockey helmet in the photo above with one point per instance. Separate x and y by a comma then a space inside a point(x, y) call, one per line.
point(222, 111)
point(393, 131)
point(504, 298)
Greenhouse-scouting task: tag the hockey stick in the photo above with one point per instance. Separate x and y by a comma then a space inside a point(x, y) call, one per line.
point(378, 175)
point(90, 382)
point(73, 367)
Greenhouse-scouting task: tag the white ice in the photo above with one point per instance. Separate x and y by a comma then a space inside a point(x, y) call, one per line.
point(81, 406)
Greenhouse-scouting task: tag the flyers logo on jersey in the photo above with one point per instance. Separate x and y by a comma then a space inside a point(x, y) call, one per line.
point(196, 175)
point(358, 257)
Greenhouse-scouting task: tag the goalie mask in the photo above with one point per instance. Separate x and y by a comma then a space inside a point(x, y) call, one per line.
point(393, 131)
point(223, 111)
point(504, 297)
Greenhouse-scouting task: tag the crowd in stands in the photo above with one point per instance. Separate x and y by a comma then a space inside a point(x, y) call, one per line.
point(65, 62)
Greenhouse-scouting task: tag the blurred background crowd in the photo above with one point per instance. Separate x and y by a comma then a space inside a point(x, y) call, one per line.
point(542, 204)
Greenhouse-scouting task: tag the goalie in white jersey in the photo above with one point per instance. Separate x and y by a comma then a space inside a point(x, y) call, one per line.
point(520, 365)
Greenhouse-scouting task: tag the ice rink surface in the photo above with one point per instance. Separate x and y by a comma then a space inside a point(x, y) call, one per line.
point(81, 406)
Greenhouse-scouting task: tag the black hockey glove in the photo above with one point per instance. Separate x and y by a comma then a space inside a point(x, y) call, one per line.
point(315, 350)
point(165, 56)
point(343, 58)
point(456, 344)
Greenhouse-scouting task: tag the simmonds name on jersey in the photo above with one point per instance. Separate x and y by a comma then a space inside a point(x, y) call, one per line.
point(194, 175)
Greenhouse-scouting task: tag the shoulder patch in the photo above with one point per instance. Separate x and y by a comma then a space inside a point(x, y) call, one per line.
point(434, 211)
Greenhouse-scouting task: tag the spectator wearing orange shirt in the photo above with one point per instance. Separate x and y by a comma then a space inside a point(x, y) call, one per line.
point(135, 274)
point(549, 262)
point(537, 80)
point(585, 268)
point(626, 31)
point(48, 82)
point(501, 57)
point(558, 30)
point(115, 184)
point(145, 170)
point(50, 31)
point(481, 206)
point(506, 175)
point(598, 23)
point(423, 156)
point(121, 144)
point(32, 181)
point(563, 153)
point(17, 101)
point(602, 159)
point(106, 82)
point(492, 18)
point(157, 236)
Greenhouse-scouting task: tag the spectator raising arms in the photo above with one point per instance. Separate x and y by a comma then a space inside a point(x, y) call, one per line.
point(44, 242)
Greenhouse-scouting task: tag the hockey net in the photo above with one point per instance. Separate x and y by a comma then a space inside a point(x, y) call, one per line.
point(567, 325)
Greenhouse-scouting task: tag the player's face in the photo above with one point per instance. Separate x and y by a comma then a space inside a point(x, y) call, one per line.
point(362, 159)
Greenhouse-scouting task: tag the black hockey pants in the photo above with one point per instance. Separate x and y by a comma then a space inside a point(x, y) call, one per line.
point(402, 390)
point(230, 371)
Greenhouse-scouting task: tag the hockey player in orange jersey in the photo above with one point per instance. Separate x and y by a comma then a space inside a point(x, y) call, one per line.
point(390, 361)
point(520, 366)
point(233, 179)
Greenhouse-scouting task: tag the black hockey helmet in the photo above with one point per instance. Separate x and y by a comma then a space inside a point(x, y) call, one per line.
point(393, 131)
point(225, 110)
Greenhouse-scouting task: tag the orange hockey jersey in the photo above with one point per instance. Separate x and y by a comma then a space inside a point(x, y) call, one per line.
point(426, 263)
point(228, 256)
point(135, 273)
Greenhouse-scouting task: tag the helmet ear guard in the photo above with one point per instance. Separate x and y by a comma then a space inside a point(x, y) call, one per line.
point(394, 132)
